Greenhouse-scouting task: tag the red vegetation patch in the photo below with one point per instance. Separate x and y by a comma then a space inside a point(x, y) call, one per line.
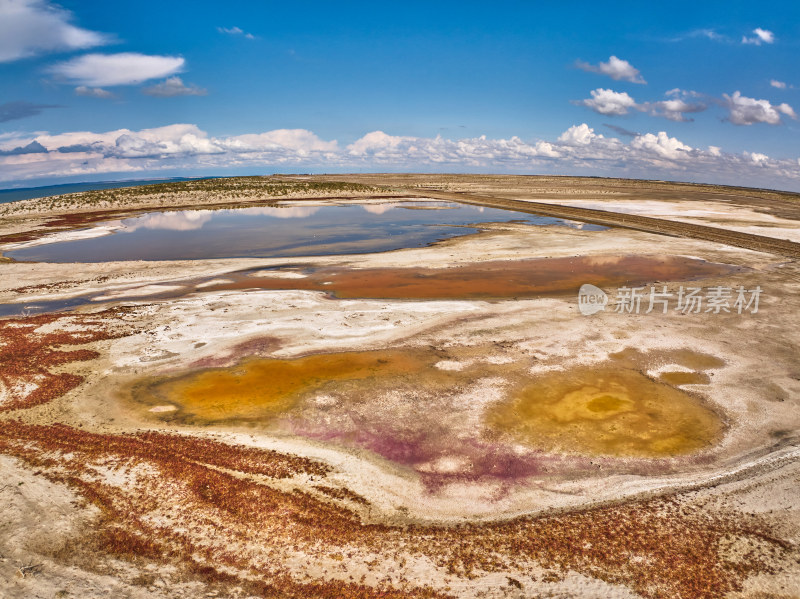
point(211, 507)
point(27, 357)
point(211, 520)
point(342, 493)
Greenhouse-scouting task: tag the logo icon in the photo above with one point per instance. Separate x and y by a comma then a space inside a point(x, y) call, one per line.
point(591, 299)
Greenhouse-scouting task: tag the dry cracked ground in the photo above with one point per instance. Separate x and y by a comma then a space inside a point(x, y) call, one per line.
point(432, 421)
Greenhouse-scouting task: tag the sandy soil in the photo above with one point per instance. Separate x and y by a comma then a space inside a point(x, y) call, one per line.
point(742, 488)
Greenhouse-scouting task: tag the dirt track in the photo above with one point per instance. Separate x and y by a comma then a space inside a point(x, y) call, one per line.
point(749, 241)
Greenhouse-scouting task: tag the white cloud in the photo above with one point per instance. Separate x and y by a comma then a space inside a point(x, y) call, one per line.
point(756, 158)
point(173, 86)
point(662, 145)
point(676, 107)
point(616, 68)
point(381, 148)
point(93, 92)
point(127, 68)
point(163, 142)
point(606, 101)
point(236, 31)
point(784, 108)
point(544, 148)
point(375, 141)
point(778, 84)
point(30, 27)
point(578, 135)
point(746, 111)
point(762, 36)
point(302, 141)
point(578, 150)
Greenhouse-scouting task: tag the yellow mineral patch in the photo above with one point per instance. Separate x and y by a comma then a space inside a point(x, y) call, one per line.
point(606, 411)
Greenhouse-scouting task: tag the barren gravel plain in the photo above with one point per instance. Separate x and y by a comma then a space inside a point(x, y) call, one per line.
point(438, 420)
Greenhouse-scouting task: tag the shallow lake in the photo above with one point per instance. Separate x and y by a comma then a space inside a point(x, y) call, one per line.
point(275, 231)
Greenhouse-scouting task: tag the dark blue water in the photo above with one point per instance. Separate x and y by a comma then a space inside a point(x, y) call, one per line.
point(31, 308)
point(270, 232)
point(29, 193)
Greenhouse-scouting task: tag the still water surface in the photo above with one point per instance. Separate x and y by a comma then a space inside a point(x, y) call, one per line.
point(277, 231)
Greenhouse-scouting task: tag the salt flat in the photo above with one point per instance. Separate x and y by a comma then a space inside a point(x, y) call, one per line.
point(375, 444)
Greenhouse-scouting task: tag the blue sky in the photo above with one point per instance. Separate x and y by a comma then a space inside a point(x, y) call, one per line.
point(701, 91)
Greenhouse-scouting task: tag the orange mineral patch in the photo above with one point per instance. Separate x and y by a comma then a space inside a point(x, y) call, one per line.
point(261, 389)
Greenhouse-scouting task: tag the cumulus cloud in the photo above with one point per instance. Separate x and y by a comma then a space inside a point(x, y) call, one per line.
point(607, 101)
point(173, 86)
point(757, 158)
point(616, 68)
point(662, 145)
point(93, 92)
point(163, 142)
point(187, 141)
point(578, 135)
point(236, 31)
point(11, 111)
point(376, 141)
point(302, 141)
point(778, 84)
point(382, 148)
point(578, 150)
point(676, 107)
point(746, 111)
point(678, 104)
point(30, 27)
point(126, 68)
point(762, 36)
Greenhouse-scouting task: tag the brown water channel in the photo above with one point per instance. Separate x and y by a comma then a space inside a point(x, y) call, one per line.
point(476, 280)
